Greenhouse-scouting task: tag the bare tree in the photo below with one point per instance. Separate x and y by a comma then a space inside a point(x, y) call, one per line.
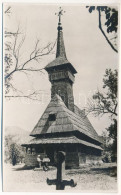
point(14, 41)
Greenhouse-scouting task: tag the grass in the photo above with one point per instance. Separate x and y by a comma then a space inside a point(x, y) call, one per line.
point(90, 179)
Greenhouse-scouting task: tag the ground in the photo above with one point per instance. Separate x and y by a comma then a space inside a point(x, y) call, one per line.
point(94, 179)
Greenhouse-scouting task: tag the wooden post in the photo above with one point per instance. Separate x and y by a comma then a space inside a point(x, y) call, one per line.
point(44, 150)
point(59, 182)
point(26, 149)
point(60, 161)
point(31, 150)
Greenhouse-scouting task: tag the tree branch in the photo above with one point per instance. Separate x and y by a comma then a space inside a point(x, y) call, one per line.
point(36, 54)
point(99, 106)
point(32, 96)
point(100, 27)
point(8, 10)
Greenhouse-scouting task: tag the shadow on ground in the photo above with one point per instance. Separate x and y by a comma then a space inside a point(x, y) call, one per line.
point(22, 168)
point(111, 171)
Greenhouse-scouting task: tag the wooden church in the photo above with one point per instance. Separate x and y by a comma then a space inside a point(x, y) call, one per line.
point(63, 126)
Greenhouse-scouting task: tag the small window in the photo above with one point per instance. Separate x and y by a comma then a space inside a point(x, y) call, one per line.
point(52, 117)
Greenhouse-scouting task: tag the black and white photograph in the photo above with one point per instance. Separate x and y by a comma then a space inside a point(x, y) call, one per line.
point(60, 97)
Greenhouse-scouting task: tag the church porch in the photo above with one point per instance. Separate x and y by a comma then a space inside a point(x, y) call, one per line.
point(76, 154)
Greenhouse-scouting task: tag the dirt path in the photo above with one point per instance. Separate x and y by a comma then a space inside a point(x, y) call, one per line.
point(17, 179)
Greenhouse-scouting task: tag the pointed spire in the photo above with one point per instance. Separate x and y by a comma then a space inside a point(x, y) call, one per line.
point(60, 52)
point(61, 59)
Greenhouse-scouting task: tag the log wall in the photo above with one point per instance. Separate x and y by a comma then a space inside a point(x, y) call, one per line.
point(71, 160)
point(31, 160)
point(90, 159)
point(82, 158)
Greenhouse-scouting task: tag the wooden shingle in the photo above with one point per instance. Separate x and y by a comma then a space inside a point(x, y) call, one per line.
point(65, 121)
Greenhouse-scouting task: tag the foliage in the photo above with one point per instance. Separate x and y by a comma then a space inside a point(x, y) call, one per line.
point(111, 23)
point(106, 102)
point(14, 152)
point(112, 129)
point(111, 15)
point(106, 156)
point(109, 153)
point(110, 143)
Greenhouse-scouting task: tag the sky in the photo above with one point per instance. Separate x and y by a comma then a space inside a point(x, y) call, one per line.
point(86, 48)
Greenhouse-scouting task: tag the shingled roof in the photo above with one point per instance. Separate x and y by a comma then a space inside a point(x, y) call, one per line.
point(61, 140)
point(65, 121)
point(60, 62)
point(61, 58)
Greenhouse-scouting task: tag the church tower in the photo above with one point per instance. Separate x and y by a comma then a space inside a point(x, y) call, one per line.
point(61, 71)
point(63, 126)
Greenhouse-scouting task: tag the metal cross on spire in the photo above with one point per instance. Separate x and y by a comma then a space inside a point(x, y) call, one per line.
point(60, 13)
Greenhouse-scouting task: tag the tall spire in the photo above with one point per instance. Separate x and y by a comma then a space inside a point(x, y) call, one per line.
point(60, 52)
point(61, 71)
point(61, 60)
